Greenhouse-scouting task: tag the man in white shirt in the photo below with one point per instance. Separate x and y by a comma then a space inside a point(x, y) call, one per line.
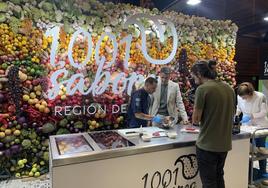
point(167, 100)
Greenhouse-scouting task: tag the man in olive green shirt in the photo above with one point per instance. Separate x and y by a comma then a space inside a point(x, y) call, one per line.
point(214, 110)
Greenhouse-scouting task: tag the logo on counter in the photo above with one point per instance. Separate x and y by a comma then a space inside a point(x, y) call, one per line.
point(103, 78)
point(186, 166)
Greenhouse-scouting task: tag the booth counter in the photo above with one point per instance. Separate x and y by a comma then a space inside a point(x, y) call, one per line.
point(121, 159)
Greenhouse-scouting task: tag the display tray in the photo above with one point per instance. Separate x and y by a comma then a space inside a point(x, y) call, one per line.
point(110, 140)
point(72, 144)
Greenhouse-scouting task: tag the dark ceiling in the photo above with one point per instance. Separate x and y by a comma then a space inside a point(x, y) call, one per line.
point(247, 14)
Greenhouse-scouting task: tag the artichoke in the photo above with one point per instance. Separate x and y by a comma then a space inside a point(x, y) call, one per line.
point(15, 1)
point(47, 6)
point(2, 17)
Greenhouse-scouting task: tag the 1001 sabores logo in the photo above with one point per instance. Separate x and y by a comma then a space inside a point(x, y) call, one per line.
point(186, 167)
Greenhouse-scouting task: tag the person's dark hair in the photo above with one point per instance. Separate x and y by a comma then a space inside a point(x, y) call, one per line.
point(165, 70)
point(212, 65)
point(151, 80)
point(245, 88)
point(203, 68)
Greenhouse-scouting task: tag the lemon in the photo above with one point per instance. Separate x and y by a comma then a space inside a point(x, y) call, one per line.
point(44, 103)
point(93, 123)
point(42, 108)
point(38, 93)
point(2, 135)
point(31, 101)
point(35, 101)
point(63, 97)
point(26, 97)
point(37, 105)
point(61, 93)
point(16, 132)
point(32, 95)
point(8, 132)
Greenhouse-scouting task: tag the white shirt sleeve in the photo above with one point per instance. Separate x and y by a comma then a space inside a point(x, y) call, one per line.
point(238, 107)
point(180, 105)
point(263, 109)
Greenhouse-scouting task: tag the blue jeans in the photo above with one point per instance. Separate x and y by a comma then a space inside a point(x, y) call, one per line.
point(211, 168)
point(260, 142)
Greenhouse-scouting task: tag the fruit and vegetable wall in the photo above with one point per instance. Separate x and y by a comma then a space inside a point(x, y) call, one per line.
point(28, 115)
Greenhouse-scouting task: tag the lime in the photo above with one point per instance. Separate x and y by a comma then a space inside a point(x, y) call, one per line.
point(38, 72)
point(32, 71)
point(4, 65)
point(26, 97)
point(34, 150)
point(34, 170)
point(37, 174)
point(17, 141)
point(20, 162)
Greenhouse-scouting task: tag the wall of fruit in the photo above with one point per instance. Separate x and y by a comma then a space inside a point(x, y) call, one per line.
point(27, 117)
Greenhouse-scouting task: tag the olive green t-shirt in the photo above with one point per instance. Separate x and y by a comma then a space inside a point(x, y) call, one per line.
point(217, 100)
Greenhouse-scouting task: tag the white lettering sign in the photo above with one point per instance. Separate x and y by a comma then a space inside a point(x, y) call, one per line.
point(91, 109)
point(76, 82)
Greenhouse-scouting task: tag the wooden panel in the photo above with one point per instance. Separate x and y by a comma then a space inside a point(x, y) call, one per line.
point(247, 56)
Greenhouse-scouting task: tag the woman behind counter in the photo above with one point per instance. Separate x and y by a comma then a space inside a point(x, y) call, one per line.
point(253, 105)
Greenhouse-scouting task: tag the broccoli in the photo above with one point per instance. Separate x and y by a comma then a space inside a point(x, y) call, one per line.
point(62, 131)
point(78, 125)
point(63, 123)
point(26, 143)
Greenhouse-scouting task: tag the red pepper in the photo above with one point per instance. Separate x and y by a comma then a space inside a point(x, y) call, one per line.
point(190, 129)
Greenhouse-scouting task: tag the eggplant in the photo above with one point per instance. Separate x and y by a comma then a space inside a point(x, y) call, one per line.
point(7, 153)
point(2, 98)
point(25, 125)
point(21, 120)
point(34, 124)
point(15, 149)
point(39, 130)
point(10, 124)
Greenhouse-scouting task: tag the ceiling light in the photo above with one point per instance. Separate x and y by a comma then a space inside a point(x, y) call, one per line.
point(265, 18)
point(193, 2)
